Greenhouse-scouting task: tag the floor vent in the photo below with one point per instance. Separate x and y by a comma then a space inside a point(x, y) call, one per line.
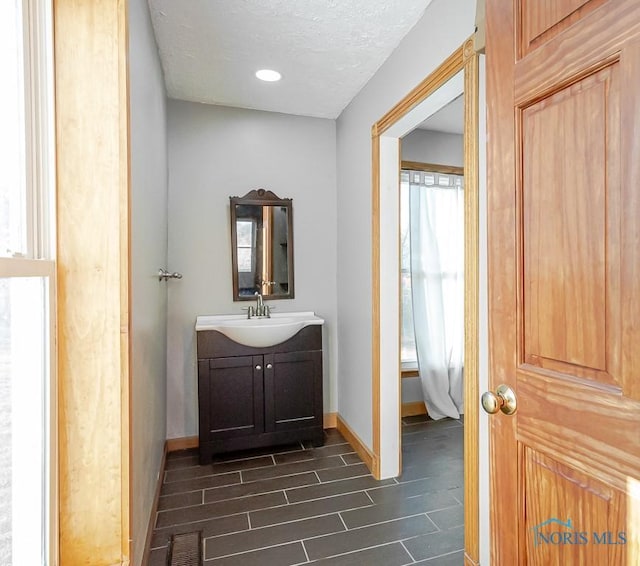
point(186, 549)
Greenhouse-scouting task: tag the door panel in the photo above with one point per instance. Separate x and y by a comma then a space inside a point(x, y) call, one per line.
point(543, 19)
point(566, 526)
point(570, 223)
point(235, 397)
point(564, 280)
point(584, 427)
point(295, 390)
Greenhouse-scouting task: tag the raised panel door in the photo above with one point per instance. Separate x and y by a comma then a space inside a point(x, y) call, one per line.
point(564, 292)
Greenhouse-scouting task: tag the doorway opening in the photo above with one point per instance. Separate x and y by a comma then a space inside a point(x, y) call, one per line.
point(432, 265)
point(458, 74)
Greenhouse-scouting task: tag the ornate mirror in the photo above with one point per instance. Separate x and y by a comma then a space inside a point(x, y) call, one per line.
point(261, 246)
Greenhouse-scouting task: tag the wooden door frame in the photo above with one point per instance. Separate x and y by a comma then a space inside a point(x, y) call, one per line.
point(463, 59)
point(93, 278)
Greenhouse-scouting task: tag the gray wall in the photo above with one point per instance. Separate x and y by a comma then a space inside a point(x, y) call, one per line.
point(217, 152)
point(445, 25)
point(434, 147)
point(441, 148)
point(148, 253)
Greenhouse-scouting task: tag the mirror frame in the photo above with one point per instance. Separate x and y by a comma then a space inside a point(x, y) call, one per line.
point(261, 197)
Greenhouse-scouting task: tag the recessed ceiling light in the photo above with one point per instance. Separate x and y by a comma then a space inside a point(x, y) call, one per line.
point(268, 75)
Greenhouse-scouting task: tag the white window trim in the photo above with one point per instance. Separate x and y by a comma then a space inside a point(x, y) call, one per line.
point(39, 259)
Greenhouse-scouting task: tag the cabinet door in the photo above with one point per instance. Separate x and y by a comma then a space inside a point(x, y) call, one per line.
point(232, 390)
point(293, 390)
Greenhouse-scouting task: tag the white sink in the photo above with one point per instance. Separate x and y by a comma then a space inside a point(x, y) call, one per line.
point(258, 332)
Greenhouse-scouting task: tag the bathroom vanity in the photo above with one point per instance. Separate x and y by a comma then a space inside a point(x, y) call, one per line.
point(256, 394)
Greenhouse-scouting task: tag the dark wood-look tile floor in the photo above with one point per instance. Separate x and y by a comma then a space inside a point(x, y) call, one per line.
point(302, 505)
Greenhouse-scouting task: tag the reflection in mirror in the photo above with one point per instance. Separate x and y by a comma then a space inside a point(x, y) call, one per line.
point(262, 246)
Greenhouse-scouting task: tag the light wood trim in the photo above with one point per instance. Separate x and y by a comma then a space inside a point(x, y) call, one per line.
point(184, 443)
point(432, 168)
point(330, 420)
point(465, 58)
point(125, 286)
point(92, 153)
point(450, 67)
point(502, 293)
point(471, 297)
point(405, 373)
point(267, 250)
point(154, 506)
point(354, 440)
point(414, 408)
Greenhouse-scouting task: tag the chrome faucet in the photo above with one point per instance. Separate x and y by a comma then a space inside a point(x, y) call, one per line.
point(261, 309)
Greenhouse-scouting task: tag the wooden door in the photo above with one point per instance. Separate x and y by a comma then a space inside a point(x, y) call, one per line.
point(563, 92)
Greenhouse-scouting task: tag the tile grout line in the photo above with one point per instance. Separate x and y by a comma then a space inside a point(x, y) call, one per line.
point(190, 489)
point(305, 550)
point(367, 548)
point(269, 492)
point(351, 492)
point(342, 521)
point(218, 517)
point(362, 527)
point(316, 537)
point(268, 546)
point(314, 516)
point(170, 528)
point(248, 521)
point(409, 553)
point(445, 554)
point(213, 475)
point(299, 473)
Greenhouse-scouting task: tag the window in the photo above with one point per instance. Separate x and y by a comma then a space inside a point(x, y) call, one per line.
point(408, 355)
point(27, 287)
point(448, 230)
point(245, 230)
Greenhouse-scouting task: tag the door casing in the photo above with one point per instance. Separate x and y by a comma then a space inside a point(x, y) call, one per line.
point(385, 141)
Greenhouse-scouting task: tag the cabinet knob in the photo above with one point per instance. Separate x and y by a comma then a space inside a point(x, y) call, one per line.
point(258, 367)
point(269, 366)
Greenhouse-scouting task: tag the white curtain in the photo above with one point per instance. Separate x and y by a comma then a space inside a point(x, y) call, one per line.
point(436, 205)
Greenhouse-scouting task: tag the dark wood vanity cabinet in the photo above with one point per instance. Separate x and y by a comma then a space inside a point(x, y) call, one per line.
point(252, 397)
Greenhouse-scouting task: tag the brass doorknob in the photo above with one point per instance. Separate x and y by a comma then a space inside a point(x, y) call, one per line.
point(504, 399)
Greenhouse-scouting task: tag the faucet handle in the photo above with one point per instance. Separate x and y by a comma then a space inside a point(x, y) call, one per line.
point(250, 311)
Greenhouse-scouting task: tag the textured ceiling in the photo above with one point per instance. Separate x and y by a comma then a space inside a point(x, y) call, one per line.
point(326, 50)
point(449, 119)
